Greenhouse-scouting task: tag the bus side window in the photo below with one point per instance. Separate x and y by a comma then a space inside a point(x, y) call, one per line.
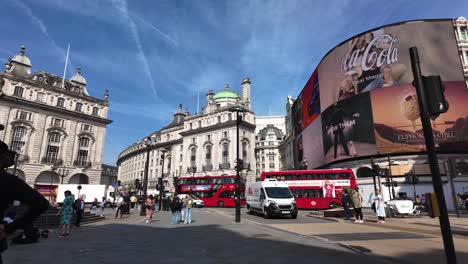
point(344, 175)
point(319, 176)
point(319, 193)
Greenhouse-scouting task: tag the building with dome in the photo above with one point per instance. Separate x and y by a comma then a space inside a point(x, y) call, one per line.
point(54, 125)
point(195, 144)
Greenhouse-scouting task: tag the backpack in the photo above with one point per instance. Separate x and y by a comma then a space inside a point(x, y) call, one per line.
point(77, 205)
point(373, 207)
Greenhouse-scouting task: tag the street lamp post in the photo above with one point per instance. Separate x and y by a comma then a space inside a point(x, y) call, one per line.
point(238, 110)
point(161, 184)
point(149, 142)
point(62, 172)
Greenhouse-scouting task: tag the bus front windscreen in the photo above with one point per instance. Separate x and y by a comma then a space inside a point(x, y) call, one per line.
point(278, 192)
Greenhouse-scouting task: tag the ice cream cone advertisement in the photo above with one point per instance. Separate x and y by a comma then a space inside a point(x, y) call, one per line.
point(401, 131)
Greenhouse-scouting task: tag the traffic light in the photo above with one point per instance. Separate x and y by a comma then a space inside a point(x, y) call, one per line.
point(175, 180)
point(239, 164)
point(435, 98)
point(119, 183)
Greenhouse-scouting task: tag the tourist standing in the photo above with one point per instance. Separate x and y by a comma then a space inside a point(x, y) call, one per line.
point(188, 209)
point(79, 208)
point(66, 214)
point(356, 198)
point(379, 207)
point(120, 206)
point(175, 208)
point(182, 209)
point(345, 202)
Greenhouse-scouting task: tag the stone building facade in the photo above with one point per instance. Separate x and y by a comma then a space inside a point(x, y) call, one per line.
point(461, 33)
point(195, 144)
point(269, 133)
point(54, 125)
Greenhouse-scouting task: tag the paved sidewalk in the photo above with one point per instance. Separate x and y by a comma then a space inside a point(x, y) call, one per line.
point(407, 243)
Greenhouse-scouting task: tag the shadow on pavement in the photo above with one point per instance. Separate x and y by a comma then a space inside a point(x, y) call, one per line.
point(123, 243)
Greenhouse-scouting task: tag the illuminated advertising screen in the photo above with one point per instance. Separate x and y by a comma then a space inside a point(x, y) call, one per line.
point(362, 95)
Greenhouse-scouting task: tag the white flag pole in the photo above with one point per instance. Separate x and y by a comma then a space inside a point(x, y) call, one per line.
point(65, 69)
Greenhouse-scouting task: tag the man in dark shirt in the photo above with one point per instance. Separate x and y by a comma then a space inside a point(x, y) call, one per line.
point(12, 189)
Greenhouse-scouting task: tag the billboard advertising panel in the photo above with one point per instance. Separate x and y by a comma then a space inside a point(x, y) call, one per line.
point(348, 129)
point(366, 103)
point(401, 131)
point(380, 58)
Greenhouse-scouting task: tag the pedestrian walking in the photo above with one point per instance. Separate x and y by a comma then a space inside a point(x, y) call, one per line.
point(66, 214)
point(149, 203)
point(120, 207)
point(188, 209)
point(182, 209)
point(356, 198)
point(132, 202)
point(126, 204)
point(345, 202)
point(103, 205)
point(379, 207)
point(79, 208)
point(175, 206)
point(94, 206)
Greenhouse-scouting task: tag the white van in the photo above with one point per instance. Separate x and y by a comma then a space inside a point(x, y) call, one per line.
point(270, 198)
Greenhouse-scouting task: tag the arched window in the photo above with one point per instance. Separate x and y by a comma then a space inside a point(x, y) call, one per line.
point(83, 152)
point(95, 111)
point(40, 97)
point(53, 147)
point(19, 139)
point(78, 107)
point(18, 91)
point(208, 156)
point(193, 157)
point(225, 153)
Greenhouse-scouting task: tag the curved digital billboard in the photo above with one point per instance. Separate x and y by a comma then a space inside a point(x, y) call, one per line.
point(360, 102)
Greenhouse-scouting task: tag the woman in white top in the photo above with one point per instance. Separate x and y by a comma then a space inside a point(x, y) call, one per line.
point(379, 207)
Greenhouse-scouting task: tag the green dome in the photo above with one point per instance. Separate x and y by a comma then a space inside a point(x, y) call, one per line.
point(226, 94)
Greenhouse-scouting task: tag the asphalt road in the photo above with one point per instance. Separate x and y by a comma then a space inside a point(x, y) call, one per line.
point(213, 237)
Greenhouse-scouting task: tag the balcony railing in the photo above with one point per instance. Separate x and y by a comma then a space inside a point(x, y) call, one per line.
point(224, 166)
point(207, 167)
point(82, 164)
point(48, 160)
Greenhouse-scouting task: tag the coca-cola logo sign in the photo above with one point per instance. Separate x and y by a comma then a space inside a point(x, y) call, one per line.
point(379, 51)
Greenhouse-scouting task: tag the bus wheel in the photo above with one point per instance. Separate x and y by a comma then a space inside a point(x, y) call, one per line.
point(220, 204)
point(334, 205)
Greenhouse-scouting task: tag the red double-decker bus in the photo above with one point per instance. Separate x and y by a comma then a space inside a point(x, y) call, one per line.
point(315, 189)
point(212, 190)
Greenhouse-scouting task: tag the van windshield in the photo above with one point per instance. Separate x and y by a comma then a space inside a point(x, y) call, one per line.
point(278, 192)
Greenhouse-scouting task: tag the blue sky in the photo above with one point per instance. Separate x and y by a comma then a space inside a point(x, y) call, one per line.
point(153, 55)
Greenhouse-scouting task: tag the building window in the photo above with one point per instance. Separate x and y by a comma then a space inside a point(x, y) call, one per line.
point(78, 107)
point(225, 153)
point(193, 140)
point(208, 137)
point(190, 126)
point(86, 128)
point(208, 155)
point(225, 134)
point(53, 147)
point(272, 165)
point(193, 157)
point(271, 158)
point(61, 102)
point(229, 116)
point(219, 119)
point(19, 139)
point(463, 33)
point(22, 115)
point(244, 151)
point(40, 97)
point(18, 91)
point(199, 124)
point(95, 111)
point(263, 166)
point(83, 146)
point(57, 122)
point(263, 158)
